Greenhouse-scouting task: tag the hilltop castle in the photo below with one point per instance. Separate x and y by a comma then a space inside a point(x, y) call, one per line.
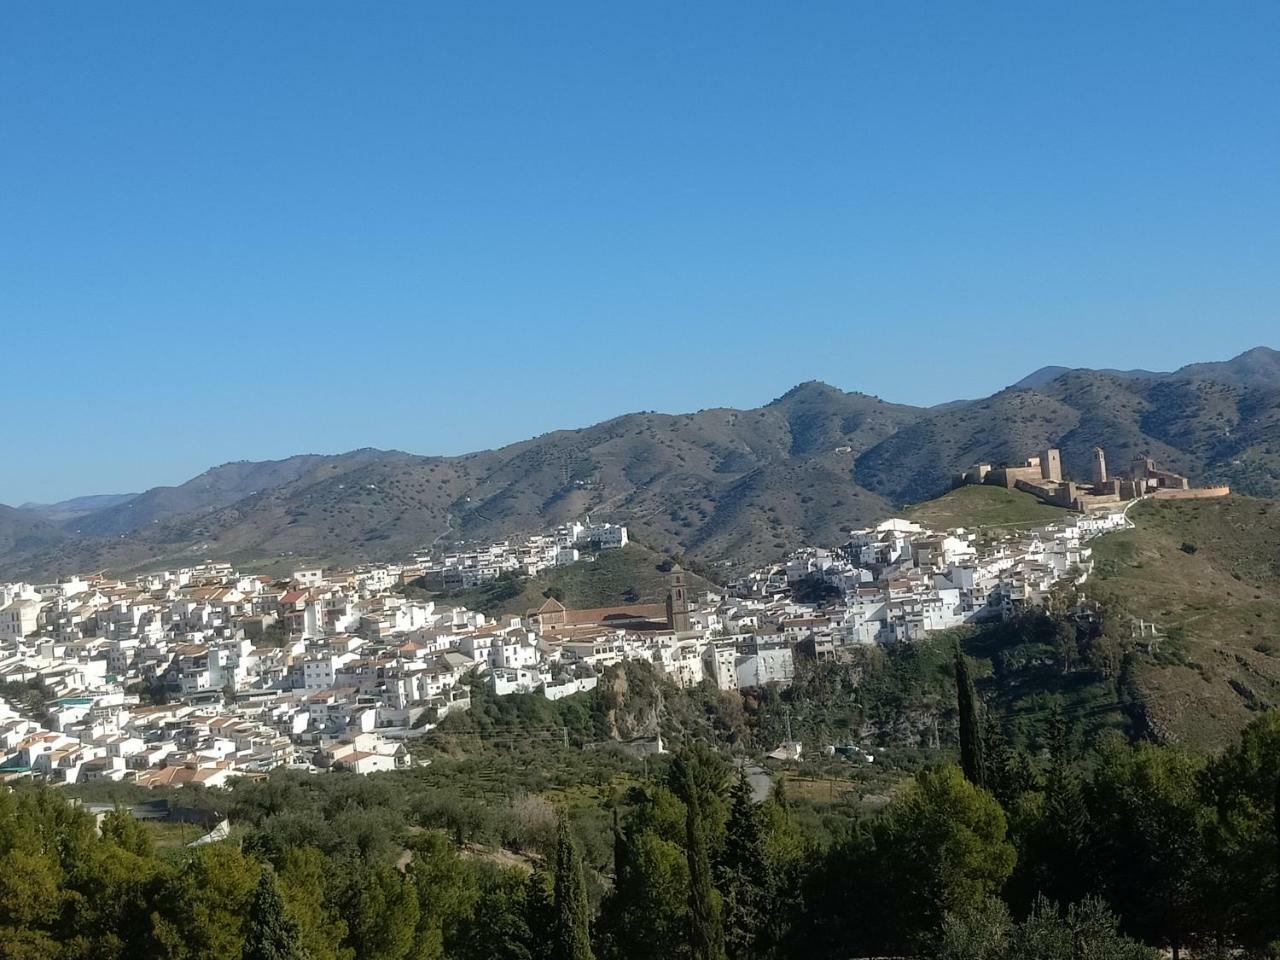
point(1042, 477)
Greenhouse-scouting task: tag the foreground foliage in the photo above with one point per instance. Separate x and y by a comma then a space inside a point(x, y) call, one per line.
point(1061, 852)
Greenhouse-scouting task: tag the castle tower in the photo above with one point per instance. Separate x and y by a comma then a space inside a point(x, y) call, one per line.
point(1051, 465)
point(678, 601)
point(1099, 466)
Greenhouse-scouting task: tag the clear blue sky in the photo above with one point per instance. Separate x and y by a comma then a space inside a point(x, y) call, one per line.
point(244, 230)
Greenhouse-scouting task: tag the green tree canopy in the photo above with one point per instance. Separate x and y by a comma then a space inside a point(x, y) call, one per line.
point(270, 933)
point(971, 737)
point(940, 848)
point(693, 778)
point(1242, 788)
point(570, 935)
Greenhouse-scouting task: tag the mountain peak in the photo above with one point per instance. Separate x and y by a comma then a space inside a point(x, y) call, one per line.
point(1046, 375)
point(1257, 367)
point(1038, 378)
point(1258, 353)
point(810, 390)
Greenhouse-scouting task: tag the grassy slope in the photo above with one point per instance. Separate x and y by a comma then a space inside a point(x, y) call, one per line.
point(1208, 573)
point(983, 506)
point(597, 583)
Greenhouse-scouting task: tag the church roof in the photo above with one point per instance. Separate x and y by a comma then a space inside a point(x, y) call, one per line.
point(622, 613)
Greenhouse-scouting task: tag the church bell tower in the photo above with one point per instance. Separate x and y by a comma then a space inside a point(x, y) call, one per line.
point(678, 601)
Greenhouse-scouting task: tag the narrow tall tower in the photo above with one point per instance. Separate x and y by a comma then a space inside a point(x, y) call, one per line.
point(678, 601)
point(1099, 466)
point(1051, 465)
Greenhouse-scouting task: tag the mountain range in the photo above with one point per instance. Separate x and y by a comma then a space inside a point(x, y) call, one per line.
point(738, 486)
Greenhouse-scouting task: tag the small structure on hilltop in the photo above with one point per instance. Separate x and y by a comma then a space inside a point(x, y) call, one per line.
point(1042, 477)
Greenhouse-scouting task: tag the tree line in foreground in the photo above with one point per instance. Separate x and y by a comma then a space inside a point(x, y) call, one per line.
point(1111, 852)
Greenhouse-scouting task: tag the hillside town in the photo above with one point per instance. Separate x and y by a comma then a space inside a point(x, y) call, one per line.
point(202, 674)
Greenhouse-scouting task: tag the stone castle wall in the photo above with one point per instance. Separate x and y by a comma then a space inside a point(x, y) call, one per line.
point(1199, 493)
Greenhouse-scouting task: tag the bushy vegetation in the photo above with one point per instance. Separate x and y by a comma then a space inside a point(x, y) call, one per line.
point(1105, 852)
point(901, 697)
point(29, 697)
point(632, 574)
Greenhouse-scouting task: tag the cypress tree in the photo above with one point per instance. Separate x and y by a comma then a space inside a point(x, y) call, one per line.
point(570, 936)
point(1059, 735)
point(1058, 850)
point(1068, 836)
point(970, 723)
point(539, 914)
point(614, 938)
point(706, 926)
point(780, 796)
point(1275, 823)
point(269, 933)
point(621, 852)
point(746, 877)
point(649, 894)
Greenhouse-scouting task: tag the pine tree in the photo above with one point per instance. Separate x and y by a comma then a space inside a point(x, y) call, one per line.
point(570, 938)
point(706, 926)
point(121, 828)
point(304, 878)
point(1007, 770)
point(1064, 838)
point(971, 758)
point(447, 893)
point(497, 928)
point(612, 928)
point(386, 914)
point(1068, 835)
point(269, 933)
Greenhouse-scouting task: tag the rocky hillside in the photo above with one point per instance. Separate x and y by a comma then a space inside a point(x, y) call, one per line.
point(1220, 424)
point(76, 507)
point(719, 485)
point(23, 533)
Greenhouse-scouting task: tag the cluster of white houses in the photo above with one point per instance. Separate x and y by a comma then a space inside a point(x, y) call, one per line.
point(477, 565)
point(203, 674)
point(899, 581)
